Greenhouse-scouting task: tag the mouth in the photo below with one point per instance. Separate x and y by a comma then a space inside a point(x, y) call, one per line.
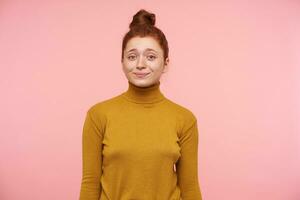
point(141, 75)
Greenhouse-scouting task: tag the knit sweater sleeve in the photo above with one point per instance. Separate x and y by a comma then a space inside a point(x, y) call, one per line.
point(91, 158)
point(187, 165)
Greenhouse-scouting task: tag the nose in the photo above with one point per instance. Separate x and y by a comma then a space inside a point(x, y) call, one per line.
point(140, 63)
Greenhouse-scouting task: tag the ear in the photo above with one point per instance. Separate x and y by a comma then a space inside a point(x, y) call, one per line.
point(166, 65)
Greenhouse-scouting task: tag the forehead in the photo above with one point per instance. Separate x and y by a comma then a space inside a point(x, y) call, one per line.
point(143, 43)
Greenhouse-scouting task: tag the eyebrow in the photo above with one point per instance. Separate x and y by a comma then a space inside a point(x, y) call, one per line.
point(148, 49)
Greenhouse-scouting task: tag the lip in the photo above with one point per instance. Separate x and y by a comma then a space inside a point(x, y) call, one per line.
point(141, 75)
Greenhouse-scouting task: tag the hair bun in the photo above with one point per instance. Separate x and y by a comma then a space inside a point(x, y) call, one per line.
point(142, 17)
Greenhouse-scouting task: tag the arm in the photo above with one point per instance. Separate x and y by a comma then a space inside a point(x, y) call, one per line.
point(91, 159)
point(187, 165)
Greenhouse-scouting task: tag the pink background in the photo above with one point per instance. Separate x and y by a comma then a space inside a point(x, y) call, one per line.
point(235, 64)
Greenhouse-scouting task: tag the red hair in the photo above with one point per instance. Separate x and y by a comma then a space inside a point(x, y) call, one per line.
point(142, 25)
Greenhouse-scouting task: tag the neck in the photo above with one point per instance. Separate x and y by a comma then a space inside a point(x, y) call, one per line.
point(149, 94)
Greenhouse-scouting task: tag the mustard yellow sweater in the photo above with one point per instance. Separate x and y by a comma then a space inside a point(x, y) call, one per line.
point(140, 145)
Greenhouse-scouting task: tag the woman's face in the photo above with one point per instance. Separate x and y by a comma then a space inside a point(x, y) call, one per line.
point(143, 61)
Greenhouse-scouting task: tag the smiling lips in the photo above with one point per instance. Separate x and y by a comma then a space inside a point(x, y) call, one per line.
point(141, 75)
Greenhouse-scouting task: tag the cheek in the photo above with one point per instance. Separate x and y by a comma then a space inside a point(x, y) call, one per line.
point(128, 66)
point(157, 66)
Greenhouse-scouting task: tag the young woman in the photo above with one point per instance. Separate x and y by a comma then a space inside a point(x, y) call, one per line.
point(140, 145)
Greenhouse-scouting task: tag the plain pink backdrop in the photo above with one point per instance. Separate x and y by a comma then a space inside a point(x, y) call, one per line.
point(235, 64)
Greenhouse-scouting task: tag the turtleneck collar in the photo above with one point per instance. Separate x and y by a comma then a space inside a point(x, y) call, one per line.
point(149, 94)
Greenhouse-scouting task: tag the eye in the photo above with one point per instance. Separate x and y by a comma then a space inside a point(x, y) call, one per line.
point(131, 57)
point(152, 57)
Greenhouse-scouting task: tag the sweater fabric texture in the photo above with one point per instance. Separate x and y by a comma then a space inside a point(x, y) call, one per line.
point(139, 145)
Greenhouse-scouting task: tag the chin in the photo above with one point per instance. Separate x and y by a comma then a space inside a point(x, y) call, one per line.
point(142, 83)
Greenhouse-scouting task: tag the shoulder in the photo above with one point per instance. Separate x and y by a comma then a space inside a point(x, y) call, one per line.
point(185, 116)
point(104, 105)
point(181, 111)
point(98, 111)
